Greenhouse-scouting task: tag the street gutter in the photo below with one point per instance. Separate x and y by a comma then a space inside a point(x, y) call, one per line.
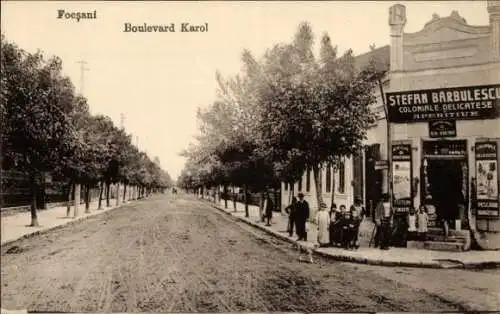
point(436, 264)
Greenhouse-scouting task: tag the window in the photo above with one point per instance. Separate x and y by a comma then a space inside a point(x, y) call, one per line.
point(341, 177)
point(308, 180)
point(300, 184)
point(328, 179)
point(286, 186)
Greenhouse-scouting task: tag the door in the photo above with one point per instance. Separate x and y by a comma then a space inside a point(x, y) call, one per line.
point(373, 178)
point(445, 178)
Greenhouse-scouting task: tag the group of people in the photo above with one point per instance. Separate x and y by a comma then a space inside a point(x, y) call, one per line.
point(337, 227)
point(340, 227)
point(414, 225)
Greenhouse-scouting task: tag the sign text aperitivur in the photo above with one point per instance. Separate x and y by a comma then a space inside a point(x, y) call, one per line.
point(461, 103)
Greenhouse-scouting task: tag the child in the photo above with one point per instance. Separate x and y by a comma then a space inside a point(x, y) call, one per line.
point(412, 224)
point(323, 221)
point(345, 220)
point(422, 221)
point(335, 231)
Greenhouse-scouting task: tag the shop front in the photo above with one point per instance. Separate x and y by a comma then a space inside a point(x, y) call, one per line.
point(445, 157)
point(444, 114)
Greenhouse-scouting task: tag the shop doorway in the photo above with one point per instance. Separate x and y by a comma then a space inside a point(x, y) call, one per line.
point(446, 176)
point(373, 178)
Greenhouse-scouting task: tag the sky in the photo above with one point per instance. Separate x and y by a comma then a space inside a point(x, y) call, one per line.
point(158, 80)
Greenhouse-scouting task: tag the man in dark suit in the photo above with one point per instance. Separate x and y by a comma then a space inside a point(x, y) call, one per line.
point(384, 218)
point(301, 217)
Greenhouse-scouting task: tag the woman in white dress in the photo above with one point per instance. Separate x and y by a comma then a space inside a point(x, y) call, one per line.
point(323, 221)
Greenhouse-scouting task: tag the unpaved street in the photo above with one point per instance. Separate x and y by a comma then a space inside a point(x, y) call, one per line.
point(165, 255)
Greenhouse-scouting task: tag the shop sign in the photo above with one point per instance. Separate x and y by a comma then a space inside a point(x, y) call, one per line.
point(381, 165)
point(442, 128)
point(402, 178)
point(461, 103)
point(487, 179)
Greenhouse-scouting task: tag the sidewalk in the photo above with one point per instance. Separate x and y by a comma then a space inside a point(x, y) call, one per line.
point(15, 226)
point(366, 255)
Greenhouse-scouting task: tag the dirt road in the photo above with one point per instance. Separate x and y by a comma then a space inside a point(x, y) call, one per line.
point(165, 255)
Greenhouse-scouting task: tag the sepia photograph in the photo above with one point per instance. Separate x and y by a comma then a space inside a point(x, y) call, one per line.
point(249, 156)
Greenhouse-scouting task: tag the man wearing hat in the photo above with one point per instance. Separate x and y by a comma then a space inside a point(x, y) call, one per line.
point(302, 215)
point(384, 222)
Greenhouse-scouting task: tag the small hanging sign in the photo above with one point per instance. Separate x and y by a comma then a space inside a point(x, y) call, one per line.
point(442, 128)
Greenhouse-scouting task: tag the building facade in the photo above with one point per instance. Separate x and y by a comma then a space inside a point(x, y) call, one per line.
point(443, 99)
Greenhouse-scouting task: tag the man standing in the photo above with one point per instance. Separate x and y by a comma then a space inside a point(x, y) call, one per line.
point(291, 211)
point(301, 217)
point(384, 220)
point(268, 209)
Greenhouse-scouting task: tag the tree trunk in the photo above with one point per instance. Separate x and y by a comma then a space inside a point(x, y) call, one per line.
point(334, 171)
point(41, 188)
point(225, 196)
point(108, 191)
point(77, 200)
point(124, 193)
point(261, 204)
point(117, 201)
point(101, 190)
point(317, 184)
point(276, 203)
point(234, 198)
point(34, 189)
point(87, 198)
point(245, 195)
point(69, 194)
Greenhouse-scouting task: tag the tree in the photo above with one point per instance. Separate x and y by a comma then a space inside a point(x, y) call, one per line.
point(37, 102)
point(316, 109)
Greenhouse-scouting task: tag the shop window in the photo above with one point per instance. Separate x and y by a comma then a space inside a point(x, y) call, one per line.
point(308, 180)
point(341, 189)
point(328, 179)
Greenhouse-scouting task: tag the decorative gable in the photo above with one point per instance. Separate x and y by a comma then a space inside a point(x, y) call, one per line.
point(447, 29)
point(446, 42)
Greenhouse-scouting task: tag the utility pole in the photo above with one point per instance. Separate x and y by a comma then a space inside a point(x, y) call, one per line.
point(122, 120)
point(82, 74)
point(389, 140)
point(77, 186)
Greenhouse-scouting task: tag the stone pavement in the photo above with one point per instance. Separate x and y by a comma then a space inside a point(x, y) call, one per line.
point(15, 227)
point(366, 255)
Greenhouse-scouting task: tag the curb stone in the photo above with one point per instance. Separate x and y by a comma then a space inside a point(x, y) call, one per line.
point(364, 260)
point(72, 222)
